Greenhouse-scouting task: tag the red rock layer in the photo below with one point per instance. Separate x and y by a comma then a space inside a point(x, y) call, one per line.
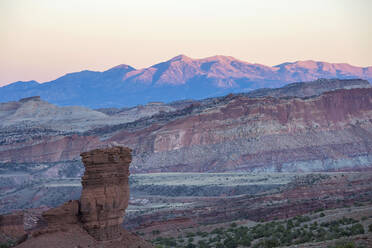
point(247, 133)
point(66, 214)
point(328, 132)
point(49, 149)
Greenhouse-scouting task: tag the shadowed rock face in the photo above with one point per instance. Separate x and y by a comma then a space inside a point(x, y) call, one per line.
point(105, 193)
point(11, 227)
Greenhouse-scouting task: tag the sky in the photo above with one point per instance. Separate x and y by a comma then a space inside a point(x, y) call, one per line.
point(44, 39)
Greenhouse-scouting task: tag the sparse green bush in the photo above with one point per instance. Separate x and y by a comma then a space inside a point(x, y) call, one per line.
point(217, 230)
point(233, 225)
point(270, 243)
point(190, 234)
point(202, 244)
point(343, 244)
point(190, 245)
point(357, 229)
point(7, 245)
point(230, 243)
point(245, 241)
point(219, 245)
point(370, 227)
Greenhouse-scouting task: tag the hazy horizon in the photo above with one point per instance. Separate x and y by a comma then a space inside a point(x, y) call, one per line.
point(43, 40)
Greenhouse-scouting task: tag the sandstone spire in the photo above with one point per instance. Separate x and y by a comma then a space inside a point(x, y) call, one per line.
point(94, 221)
point(105, 193)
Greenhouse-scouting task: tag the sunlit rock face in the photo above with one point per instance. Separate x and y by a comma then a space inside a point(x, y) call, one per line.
point(105, 193)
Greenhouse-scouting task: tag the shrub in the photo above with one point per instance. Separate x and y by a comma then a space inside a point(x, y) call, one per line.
point(230, 243)
point(343, 244)
point(190, 234)
point(189, 245)
point(357, 229)
point(202, 244)
point(271, 243)
point(6, 245)
point(245, 241)
point(233, 225)
point(219, 245)
point(370, 227)
point(217, 231)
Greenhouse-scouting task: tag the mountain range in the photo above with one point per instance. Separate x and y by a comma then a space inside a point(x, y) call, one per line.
point(176, 79)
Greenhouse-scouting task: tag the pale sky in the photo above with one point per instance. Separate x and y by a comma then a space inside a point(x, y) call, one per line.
point(45, 39)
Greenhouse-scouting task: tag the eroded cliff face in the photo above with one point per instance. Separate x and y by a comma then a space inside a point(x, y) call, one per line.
point(327, 132)
point(95, 220)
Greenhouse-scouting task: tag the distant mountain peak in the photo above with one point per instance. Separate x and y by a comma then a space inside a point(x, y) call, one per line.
point(122, 66)
point(181, 57)
point(218, 58)
point(180, 77)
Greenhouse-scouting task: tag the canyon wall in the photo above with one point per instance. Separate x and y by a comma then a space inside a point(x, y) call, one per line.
point(329, 132)
point(319, 131)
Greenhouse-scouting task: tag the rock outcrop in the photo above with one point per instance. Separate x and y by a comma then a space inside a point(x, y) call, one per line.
point(105, 192)
point(95, 220)
point(62, 216)
point(11, 227)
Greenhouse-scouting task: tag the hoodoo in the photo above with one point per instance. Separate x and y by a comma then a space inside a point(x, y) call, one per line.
point(94, 220)
point(105, 192)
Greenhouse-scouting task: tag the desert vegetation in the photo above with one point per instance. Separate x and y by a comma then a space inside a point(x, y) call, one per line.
point(293, 231)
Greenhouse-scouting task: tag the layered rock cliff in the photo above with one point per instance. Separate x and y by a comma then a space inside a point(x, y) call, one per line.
point(328, 132)
point(295, 128)
point(95, 220)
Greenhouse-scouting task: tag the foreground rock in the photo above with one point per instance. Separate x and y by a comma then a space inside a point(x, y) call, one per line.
point(95, 220)
point(12, 228)
point(105, 192)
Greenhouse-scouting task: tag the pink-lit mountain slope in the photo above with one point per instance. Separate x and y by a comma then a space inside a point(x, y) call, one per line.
point(176, 79)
